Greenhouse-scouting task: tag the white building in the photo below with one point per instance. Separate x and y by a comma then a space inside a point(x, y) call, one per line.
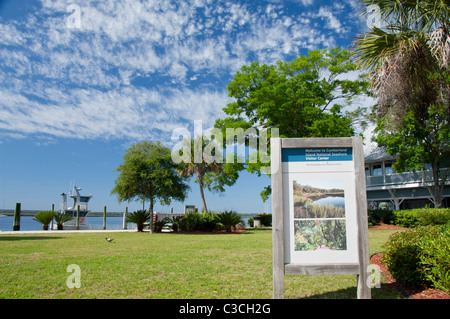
point(403, 190)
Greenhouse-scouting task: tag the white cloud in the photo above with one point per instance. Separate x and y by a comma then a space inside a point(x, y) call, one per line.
point(333, 22)
point(306, 2)
point(65, 82)
point(91, 114)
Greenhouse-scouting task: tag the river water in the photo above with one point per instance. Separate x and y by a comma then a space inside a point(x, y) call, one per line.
point(28, 223)
point(336, 201)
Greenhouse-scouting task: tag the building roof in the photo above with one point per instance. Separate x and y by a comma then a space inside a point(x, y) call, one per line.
point(373, 152)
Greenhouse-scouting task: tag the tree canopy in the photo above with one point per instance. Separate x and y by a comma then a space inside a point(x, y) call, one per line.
point(304, 97)
point(148, 173)
point(207, 164)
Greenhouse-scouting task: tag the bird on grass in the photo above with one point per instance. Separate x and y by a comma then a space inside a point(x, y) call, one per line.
point(109, 239)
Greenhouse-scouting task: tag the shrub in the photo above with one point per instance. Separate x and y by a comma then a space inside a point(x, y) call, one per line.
point(61, 218)
point(420, 256)
point(139, 217)
point(435, 257)
point(377, 216)
point(422, 217)
point(266, 219)
point(208, 221)
point(189, 222)
point(175, 220)
point(45, 218)
point(160, 224)
point(229, 219)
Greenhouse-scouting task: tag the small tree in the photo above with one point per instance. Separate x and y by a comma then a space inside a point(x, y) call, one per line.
point(148, 173)
point(61, 218)
point(229, 219)
point(139, 217)
point(45, 218)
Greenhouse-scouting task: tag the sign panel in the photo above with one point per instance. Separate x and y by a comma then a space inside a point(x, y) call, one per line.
point(319, 209)
point(319, 197)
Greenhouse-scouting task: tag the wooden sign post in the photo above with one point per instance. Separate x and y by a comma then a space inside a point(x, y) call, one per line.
point(319, 210)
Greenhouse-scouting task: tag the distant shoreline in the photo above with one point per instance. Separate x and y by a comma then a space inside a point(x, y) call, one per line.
point(10, 212)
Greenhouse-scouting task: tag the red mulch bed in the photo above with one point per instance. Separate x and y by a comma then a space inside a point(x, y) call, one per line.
point(386, 226)
point(412, 293)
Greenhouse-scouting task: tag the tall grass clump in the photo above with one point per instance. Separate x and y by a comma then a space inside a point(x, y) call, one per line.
point(325, 211)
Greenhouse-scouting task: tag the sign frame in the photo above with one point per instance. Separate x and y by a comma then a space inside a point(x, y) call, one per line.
point(279, 233)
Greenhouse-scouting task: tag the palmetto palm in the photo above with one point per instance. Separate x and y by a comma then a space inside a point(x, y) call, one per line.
point(414, 43)
point(202, 163)
point(45, 218)
point(139, 217)
point(61, 218)
point(229, 219)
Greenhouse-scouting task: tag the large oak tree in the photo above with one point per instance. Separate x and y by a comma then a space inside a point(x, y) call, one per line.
point(148, 173)
point(304, 97)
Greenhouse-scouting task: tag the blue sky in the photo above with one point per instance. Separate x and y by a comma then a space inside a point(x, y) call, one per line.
point(81, 80)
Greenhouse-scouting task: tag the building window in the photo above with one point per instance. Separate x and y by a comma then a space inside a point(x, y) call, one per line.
point(377, 170)
point(388, 169)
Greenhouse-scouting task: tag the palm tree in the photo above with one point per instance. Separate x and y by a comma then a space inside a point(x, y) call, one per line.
point(45, 218)
point(61, 218)
point(139, 217)
point(409, 61)
point(201, 164)
point(229, 219)
point(400, 56)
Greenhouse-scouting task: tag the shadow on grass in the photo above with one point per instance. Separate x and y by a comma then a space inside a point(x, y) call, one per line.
point(386, 291)
point(21, 237)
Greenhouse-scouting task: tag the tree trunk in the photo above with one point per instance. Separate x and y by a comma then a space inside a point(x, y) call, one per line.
point(200, 182)
point(438, 186)
point(151, 215)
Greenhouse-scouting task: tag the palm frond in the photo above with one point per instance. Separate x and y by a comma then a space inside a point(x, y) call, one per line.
point(440, 46)
point(375, 46)
point(419, 15)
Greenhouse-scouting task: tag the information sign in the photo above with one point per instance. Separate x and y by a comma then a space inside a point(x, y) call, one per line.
point(319, 208)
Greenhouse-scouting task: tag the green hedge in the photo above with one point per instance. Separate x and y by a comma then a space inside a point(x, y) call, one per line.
point(377, 216)
point(421, 217)
point(420, 256)
point(210, 221)
point(265, 219)
point(409, 218)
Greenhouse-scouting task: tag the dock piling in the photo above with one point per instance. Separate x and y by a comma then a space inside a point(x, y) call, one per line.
point(104, 218)
point(16, 224)
point(78, 217)
point(124, 224)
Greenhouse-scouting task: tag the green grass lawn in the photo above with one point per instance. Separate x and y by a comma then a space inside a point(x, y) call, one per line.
point(140, 265)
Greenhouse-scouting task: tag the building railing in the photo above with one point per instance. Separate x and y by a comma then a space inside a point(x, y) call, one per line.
point(424, 178)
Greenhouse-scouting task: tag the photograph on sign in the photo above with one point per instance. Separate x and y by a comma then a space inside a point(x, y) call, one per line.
point(319, 215)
